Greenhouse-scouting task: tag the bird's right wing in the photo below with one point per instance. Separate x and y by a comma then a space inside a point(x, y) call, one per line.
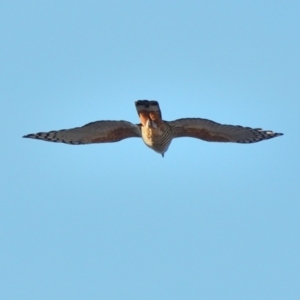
point(95, 132)
point(214, 132)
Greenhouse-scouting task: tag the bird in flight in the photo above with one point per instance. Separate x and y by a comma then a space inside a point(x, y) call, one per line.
point(156, 133)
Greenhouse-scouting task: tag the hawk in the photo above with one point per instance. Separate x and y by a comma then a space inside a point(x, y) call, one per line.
point(156, 133)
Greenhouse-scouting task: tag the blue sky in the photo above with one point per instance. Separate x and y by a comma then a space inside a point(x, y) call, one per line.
point(118, 221)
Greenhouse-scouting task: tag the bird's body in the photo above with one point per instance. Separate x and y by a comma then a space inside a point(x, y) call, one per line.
point(155, 132)
point(158, 138)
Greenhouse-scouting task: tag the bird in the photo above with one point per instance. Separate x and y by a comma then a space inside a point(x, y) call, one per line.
point(156, 133)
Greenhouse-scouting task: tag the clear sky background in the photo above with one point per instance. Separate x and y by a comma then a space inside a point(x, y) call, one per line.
point(118, 221)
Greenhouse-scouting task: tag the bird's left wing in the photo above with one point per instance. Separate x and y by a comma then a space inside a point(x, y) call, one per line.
point(214, 132)
point(95, 132)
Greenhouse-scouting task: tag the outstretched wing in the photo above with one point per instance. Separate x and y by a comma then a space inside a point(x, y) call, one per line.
point(95, 132)
point(214, 132)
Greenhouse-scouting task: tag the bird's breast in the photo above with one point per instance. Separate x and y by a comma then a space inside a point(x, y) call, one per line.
point(158, 138)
